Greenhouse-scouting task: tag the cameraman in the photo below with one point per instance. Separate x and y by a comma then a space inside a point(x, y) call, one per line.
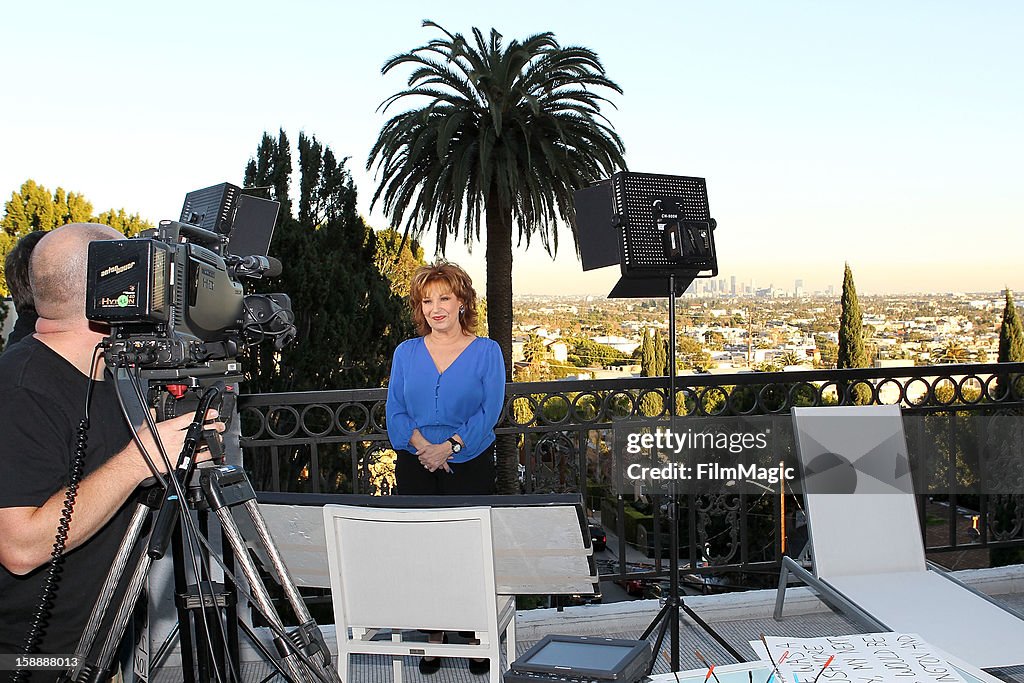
point(43, 390)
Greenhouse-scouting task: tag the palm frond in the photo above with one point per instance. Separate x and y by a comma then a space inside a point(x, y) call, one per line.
point(513, 128)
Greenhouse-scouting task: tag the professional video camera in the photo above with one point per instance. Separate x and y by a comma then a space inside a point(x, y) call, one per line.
point(174, 297)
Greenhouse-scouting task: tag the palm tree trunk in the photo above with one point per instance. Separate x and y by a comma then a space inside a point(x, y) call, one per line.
point(499, 322)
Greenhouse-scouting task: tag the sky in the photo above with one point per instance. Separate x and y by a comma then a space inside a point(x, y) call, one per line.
point(883, 134)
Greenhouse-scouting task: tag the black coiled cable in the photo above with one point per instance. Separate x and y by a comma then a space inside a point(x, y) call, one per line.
point(49, 587)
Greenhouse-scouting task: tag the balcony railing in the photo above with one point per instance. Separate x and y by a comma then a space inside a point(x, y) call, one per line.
point(336, 442)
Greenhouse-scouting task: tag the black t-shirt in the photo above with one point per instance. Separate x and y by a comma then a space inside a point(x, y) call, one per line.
point(24, 326)
point(42, 401)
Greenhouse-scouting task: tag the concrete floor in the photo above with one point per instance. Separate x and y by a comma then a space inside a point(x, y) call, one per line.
point(737, 617)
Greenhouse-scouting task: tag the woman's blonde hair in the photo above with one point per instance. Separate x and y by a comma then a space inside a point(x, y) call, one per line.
point(449, 278)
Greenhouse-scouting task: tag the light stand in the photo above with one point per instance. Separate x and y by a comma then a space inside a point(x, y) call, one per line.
point(656, 227)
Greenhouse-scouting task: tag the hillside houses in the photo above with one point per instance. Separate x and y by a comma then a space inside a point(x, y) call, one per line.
point(767, 333)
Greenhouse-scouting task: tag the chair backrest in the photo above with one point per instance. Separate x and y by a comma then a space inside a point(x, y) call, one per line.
point(411, 568)
point(874, 528)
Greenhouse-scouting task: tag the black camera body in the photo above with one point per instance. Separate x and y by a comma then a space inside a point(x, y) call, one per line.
point(175, 298)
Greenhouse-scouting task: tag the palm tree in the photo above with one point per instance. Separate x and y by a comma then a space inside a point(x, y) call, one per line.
point(503, 134)
point(953, 352)
point(790, 358)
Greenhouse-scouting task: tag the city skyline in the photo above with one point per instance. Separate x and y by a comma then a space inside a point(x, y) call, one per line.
point(882, 136)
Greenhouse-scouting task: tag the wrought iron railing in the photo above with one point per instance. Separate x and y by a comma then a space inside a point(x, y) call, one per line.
point(336, 442)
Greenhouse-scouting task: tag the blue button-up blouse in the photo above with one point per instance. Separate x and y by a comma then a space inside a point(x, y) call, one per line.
point(465, 399)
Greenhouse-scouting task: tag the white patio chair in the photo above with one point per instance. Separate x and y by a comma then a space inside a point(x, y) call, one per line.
point(406, 569)
point(868, 552)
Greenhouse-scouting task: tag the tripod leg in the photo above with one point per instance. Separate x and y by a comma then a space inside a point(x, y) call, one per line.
point(225, 487)
point(113, 579)
point(312, 638)
point(259, 593)
point(100, 667)
point(291, 592)
point(185, 630)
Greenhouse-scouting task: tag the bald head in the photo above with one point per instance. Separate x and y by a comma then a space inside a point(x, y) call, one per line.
point(58, 269)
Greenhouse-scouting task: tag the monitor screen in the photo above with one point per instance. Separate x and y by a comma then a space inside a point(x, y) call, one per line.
point(594, 656)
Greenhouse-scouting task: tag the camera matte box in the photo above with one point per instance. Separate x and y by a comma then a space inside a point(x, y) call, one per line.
point(128, 281)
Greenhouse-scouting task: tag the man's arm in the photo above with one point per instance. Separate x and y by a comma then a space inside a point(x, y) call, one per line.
point(27, 533)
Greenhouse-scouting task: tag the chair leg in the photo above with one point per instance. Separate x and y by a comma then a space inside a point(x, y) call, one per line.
point(510, 643)
point(494, 674)
point(396, 662)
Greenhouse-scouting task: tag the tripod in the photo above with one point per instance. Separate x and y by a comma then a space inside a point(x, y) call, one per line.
point(668, 616)
point(301, 654)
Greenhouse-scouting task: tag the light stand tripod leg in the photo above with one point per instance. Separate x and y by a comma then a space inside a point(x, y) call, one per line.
point(660, 622)
point(712, 632)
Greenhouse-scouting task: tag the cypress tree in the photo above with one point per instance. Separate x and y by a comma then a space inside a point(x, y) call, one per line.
point(651, 403)
point(1011, 333)
point(660, 355)
point(347, 317)
point(647, 355)
point(851, 327)
point(1011, 346)
point(851, 335)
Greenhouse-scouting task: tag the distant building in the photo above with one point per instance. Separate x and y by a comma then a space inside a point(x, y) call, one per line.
point(517, 350)
point(893, 362)
point(557, 351)
point(616, 372)
point(541, 332)
point(627, 346)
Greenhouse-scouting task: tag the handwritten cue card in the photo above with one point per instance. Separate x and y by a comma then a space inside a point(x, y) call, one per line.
point(863, 658)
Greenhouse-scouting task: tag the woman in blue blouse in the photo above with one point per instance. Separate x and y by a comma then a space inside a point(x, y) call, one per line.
point(446, 391)
point(445, 395)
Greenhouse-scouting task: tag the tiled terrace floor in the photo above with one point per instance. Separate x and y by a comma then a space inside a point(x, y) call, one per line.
point(737, 617)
